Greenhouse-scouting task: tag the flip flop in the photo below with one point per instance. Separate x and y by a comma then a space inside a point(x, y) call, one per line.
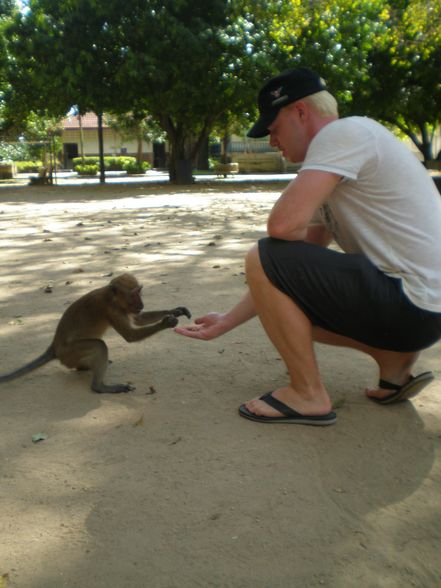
point(408, 390)
point(289, 415)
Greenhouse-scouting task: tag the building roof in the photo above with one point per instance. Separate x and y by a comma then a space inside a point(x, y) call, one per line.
point(88, 121)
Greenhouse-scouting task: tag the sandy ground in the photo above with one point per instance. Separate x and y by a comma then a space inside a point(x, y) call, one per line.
point(172, 489)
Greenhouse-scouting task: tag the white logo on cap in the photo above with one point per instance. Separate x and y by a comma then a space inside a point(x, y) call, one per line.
point(276, 93)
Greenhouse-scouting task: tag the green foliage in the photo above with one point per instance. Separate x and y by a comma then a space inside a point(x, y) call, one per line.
point(133, 167)
point(117, 162)
point(112, 163)
point(133, 126)
point(197, 62)
point(87, 170)
point(7, 10)
point(189, 63)
point(404, 88)
point(12, 151)
point(91, 160)
point(192, 66)
point(28, 167)
point(333, 38)
point(379, 58)
point(65, 53)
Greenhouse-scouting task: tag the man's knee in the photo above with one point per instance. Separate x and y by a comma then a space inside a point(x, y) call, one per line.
point(252, 261)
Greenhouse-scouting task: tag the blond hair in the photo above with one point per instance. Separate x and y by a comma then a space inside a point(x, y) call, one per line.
point(323, 103)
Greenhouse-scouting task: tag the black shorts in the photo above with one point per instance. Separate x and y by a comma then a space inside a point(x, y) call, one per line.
point(346, 294)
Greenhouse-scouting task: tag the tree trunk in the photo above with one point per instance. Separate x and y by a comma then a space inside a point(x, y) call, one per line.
point(80, 120)
point(180, 167)
point(101, 148)
point(139, 139)
point(225, 143)
point(201, 159)
point(181, 171)
point(426, 144)
point(181, 162)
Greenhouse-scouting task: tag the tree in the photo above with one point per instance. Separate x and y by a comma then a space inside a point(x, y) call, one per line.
point(380, 58)
point(139, 126)
point(334, 38)
point(7, 10)
point(186, 62)
point(66, 53)
point(194, 60)
point(404, 69)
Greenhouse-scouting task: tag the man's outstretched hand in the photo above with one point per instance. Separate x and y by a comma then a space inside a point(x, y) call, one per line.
point(207, 327)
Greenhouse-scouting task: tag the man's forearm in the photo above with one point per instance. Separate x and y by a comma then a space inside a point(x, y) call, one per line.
point(241, 313)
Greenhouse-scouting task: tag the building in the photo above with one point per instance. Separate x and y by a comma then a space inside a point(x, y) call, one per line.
point(80, 137)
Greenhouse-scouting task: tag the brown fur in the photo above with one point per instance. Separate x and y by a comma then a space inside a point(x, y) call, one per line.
point(78, 340)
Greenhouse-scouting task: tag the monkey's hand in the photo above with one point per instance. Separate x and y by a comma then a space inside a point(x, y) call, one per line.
point(169, 321)
point(181, 310)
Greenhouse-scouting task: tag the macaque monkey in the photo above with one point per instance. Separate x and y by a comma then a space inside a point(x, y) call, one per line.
point(77, 341)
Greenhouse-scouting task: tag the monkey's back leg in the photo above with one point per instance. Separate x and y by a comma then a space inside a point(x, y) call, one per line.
point(85, 354)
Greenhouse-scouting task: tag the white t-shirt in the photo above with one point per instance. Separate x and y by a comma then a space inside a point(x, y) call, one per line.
point(386, 207)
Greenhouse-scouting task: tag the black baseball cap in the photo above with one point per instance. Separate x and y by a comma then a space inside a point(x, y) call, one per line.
point(287, 87)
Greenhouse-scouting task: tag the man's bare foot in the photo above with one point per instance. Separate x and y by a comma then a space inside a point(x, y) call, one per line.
point(380, 393)
point(320, 404)
point(389, 393)
point(395, 368)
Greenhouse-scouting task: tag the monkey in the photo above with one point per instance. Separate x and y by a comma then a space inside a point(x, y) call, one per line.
point(78, 343)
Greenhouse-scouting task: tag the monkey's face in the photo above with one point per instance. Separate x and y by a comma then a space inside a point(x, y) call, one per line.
point(127, 292)
point(129, 301)
point(134, 301)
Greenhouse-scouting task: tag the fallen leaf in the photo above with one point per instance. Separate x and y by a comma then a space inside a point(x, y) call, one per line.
point(38, 437)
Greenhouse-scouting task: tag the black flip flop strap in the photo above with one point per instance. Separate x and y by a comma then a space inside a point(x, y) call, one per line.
point(389, 386)
point(278, 405)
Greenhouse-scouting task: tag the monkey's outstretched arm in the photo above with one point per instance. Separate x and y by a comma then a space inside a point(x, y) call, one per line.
point(131, 334)
point(45, 357)
point(153, 316)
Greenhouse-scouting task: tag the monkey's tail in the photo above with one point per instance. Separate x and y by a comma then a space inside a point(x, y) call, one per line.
point(45, 357)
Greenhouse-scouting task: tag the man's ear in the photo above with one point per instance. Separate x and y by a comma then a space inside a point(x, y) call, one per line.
point(301, 109)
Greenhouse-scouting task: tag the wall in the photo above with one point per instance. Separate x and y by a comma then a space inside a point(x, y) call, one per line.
point(113, 144)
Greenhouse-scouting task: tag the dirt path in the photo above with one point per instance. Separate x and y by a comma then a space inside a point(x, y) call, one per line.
point(173, 489)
